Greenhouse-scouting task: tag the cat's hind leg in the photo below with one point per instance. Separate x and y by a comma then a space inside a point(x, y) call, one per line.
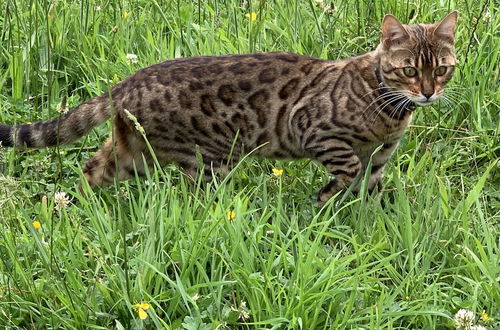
point(206, 165)
point(119, 159)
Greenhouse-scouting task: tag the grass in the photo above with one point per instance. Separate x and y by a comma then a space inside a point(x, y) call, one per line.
point(408, 260)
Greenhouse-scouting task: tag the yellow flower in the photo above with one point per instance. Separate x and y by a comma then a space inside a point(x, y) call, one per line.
point(142, 305)
point(141, 310)
point(142, 314)
point(37, 224)
point(277, 171)
point(485, 317)
point(126, 14)
point(230, 215)
point(251, 16)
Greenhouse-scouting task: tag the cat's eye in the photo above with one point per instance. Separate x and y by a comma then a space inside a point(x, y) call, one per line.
point(410, 71)
point(440, 70)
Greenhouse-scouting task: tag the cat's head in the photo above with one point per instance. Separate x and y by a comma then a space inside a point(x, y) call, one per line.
point(417, 60)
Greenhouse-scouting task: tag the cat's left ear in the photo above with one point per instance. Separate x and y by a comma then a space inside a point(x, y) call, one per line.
point(393, 31)
point(446, 28)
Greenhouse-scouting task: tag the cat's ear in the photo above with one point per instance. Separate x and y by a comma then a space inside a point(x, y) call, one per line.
point(446, 28)
point(392, 31)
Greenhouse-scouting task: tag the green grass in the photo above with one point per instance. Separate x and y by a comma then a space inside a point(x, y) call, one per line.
point(408, 260)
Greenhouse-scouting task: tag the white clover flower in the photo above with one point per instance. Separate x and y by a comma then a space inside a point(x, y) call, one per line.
point(131, 59)
point(478, 327)
point(62, 108)
point(123, 194)
point(244, 313)
point(61, 200)
point(326, 8)
point(487, 16)
point(464, 319)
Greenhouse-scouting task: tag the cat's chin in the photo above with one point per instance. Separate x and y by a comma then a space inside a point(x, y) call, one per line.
point(423, 104)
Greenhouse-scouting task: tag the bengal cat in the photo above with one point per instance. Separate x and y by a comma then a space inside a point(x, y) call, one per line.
point(283, 104)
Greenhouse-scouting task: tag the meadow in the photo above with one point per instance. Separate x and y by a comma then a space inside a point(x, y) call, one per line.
point(255, 251)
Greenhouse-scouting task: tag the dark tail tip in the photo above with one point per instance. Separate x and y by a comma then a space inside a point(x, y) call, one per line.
point(5, 135)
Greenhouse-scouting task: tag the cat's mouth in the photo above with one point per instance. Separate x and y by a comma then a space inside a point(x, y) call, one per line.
point(421, 100)
point(423, 103)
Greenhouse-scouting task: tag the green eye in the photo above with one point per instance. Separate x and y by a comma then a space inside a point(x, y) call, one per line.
point(440, 70)
point(410, 71)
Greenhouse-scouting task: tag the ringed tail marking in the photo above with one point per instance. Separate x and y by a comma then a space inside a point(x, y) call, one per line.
point(61, 130)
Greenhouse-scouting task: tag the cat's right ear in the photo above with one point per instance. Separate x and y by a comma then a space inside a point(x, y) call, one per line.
point(446, 28)
point(393, 31)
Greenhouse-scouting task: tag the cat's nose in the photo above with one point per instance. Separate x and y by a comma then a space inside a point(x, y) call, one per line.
point(428, 95)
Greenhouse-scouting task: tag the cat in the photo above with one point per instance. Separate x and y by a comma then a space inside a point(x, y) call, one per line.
point(278, 104)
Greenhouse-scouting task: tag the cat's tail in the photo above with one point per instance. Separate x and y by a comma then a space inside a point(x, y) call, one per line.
point(61, 130)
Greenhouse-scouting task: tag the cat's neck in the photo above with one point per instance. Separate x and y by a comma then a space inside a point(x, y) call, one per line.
point(372, 69)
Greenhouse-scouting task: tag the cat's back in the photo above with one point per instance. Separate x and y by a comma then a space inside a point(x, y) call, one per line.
point(264, 66)
point(243, 90)
point(210, 69)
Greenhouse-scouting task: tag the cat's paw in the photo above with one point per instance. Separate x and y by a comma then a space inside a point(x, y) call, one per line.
point(323, 197)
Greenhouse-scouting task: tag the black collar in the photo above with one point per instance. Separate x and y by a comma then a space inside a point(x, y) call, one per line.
point(384, 93)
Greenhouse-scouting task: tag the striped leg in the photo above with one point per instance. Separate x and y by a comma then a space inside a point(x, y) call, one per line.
point(341, 161)
point(112, 162)
point(211, 163)
point(378, 163)
point(118, 159)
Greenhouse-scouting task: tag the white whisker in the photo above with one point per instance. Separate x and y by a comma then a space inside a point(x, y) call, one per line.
point(378, 89)
point(382, 96)
point(389, 101)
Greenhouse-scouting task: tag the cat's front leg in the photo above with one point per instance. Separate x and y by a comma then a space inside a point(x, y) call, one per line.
point(379, 160)
point(340, 160)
